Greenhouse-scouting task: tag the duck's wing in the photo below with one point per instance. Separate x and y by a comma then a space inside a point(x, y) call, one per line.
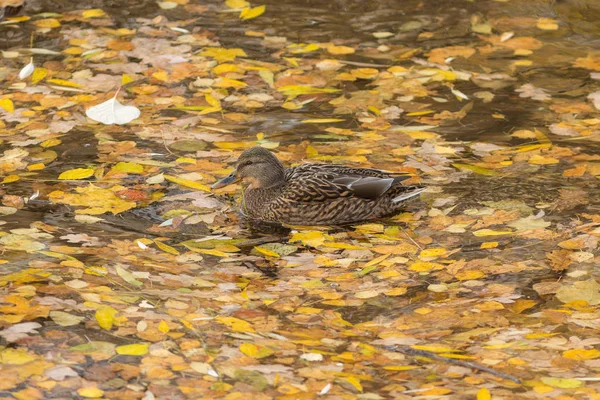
point(323, 185)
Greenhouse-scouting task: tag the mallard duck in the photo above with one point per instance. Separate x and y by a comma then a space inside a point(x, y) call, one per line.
point(315, 194)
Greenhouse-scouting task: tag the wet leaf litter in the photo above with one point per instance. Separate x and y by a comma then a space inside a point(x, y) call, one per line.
point(125, 276)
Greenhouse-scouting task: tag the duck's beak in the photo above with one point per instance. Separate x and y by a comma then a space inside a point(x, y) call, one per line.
point(228, 180)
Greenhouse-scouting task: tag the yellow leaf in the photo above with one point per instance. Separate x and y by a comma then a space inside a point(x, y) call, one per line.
point(62, 82)
point(322, 120)
point(298, 90)
point(488, 245)
point(50, 143)
point(163, 327)
point(10, 356)
point(106, 317)
point(266, 252)
point(562, 383)
point(547, 24)
point(36, 167)
point(7, 104)
point(221, 54)
point(129, 167)
point(212, 101)
point(354, 382)
point(229, 83)
point(432, 253)
point(425, 266)
point(399, 291)
point(367, 294)
point(38, 74)
point(161, 76)
point(249, 13)
point(267, 76)
point(94, 13)
point(90, 392)
point(210, 252)
point(235, 4)
point(309, 310)
point(186, 160)
point(541, 160)
point(490, 232)
point(434, 348)
point(47, 23)
point(125, 79)
point(476, 169)
point(419, 113)
point(137, 349)
point(236, 324)
point(77, 173)
point(11, 178)
point(187, 183)
point(166, 248)
point(301, 48)
point(337, 245)
point(310, 238)
point(254, 351)
point(421, 135)
point(400, 367)
point(469, 275)
point(581, 354)
point(340, 50)
point(97, 200)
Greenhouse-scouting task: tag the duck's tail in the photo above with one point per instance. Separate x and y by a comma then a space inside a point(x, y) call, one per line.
point(411, 191)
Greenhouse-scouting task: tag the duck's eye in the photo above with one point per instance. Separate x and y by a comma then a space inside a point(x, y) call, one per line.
point(247, 163)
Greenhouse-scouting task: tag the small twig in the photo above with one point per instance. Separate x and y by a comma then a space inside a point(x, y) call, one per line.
point(466, 364)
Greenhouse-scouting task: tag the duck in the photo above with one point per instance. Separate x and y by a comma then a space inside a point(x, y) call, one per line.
point(315, 194)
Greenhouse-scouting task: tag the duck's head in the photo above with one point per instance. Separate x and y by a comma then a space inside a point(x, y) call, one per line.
point(257, 168)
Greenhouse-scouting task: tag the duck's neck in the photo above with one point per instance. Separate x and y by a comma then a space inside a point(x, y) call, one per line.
point(256, 200)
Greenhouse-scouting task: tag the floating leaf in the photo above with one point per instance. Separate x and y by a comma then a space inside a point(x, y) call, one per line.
point(7, 104)
point(112, 112)
point(27, 70)
point(187, 183)
point(137, 349)
point(106, 317)
point(77, 173)
point(249, 13)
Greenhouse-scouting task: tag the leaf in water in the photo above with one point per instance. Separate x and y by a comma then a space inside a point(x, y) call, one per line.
point(236, 324)
point(47, 23)
point(187, 183)
point(322, 121)
point(266, 252)
point(249, 13)
point(129, 167)
point(90, 392)
point(237, 4)
point(588, 291)
point(112, 112)
point(137, 349)
point(254, 351)
point(27, 70)
point(77, 173)
point(310, 238)
point(94, 13)
point(581, 354)
point(106, 317)
point(547, 24)
point(127, 276)
point(166, 248)
point(65, 319)
point(476, 169)
point(7, 104)
point(562, 383)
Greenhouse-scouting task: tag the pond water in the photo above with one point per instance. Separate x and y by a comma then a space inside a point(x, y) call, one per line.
point(491, 104)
